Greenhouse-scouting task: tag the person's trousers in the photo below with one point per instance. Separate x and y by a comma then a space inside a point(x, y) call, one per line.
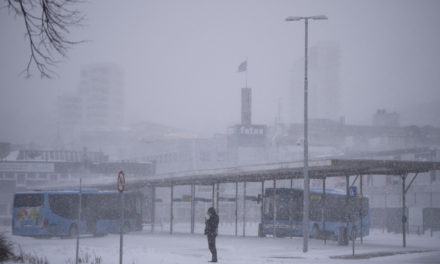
point(211, 245)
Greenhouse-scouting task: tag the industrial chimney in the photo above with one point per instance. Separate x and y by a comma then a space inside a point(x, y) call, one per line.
point(246, 106)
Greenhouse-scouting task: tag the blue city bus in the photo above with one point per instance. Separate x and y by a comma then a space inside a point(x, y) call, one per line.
point(329, 211)
point(55, 213)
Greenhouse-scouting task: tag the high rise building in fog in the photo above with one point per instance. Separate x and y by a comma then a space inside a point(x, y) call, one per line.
point(101, 93)
point(98, 103)
point(324, 83)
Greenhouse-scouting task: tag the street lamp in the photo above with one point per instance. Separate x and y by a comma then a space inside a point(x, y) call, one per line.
point(306, 143)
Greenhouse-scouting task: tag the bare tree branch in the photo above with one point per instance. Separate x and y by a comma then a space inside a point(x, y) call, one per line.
point(47, 24)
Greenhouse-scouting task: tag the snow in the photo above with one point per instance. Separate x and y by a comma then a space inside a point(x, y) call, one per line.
point(145, 247)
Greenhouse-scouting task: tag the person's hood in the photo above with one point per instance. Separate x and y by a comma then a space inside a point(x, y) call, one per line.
point(211, 211)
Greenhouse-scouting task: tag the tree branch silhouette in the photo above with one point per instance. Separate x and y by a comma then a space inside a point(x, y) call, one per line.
point(47, 24)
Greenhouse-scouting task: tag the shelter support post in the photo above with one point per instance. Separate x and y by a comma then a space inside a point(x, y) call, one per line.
point(431, 209)
point(361, 214)
point(291, 210)
point(347, 201)
point(193, 211)
point(236, 207)
point(386, 212)
point(153, 208)
point(404, 218)
point(261, 209)
point(171, 209)
point(274, 207)
point(212, 199)
point(324, 210)
point(218, 198)
point(244, 209)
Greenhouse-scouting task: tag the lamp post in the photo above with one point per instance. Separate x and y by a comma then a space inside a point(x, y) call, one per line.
point(306, 143)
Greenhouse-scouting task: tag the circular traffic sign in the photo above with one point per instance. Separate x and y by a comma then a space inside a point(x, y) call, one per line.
point(121, 181)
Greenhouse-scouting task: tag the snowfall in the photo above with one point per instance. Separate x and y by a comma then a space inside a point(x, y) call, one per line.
point(180, 247)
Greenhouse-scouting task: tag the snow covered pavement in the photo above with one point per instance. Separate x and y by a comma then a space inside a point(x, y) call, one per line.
point(163, 248)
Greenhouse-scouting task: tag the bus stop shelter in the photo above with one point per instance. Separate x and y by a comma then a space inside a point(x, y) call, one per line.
point(318, 169)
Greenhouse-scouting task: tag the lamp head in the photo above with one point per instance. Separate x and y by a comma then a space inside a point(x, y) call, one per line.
point(291, 18)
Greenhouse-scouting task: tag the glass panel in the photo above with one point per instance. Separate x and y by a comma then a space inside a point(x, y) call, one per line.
point(28, 200)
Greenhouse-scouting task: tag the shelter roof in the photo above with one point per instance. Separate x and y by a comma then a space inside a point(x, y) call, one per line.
point(318, 169)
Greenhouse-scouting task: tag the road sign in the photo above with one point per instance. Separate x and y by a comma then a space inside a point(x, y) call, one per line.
point(121, 181)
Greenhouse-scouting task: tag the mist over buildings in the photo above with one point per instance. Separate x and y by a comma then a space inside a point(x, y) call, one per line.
point(177, 68)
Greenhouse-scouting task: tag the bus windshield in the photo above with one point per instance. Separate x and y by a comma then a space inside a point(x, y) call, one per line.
point(28, 200)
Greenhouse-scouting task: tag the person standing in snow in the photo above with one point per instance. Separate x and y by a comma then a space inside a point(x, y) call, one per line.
point(211, 227)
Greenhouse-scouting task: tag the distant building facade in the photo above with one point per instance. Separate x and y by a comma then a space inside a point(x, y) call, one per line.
point(97, 106)
point(384, 119)
point(101, 92)
point(24, 169)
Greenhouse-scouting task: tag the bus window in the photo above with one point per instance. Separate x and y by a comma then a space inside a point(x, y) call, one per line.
point(28, 200)
point(64, 205)
point(283, 204)
point(267, 208)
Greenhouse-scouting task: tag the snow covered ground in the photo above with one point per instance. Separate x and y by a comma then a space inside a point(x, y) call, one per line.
point(156, 248)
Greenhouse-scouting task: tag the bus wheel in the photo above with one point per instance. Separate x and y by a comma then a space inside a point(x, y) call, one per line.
point(315, 232)
point(73, 231)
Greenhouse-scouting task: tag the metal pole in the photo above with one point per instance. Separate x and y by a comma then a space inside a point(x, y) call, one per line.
point(193, 194)
point(212, 200)
point(324, 205)
point(244, 209)
point(306, 149)
point(78, 221)
point(291, 208)
point(218, 198)
point(153, 208)
point(121, 229)
point(274, 206)
point(353, 236)
point(404, 218)
point(171, 209)
point(362, 208)
point(431, 222)
point(236, 207)
point(262, 207)
point(385, 217)
point(347, 200)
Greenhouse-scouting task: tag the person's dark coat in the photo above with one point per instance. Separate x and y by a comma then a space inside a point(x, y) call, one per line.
point(211, 226)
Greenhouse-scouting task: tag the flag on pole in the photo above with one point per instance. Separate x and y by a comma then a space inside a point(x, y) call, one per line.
point(243, 66)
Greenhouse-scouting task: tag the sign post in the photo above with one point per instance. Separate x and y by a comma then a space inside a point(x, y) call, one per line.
point(78, 221)
point(121, 187)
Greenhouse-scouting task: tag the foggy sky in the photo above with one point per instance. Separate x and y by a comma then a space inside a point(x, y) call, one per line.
point(180, 61)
